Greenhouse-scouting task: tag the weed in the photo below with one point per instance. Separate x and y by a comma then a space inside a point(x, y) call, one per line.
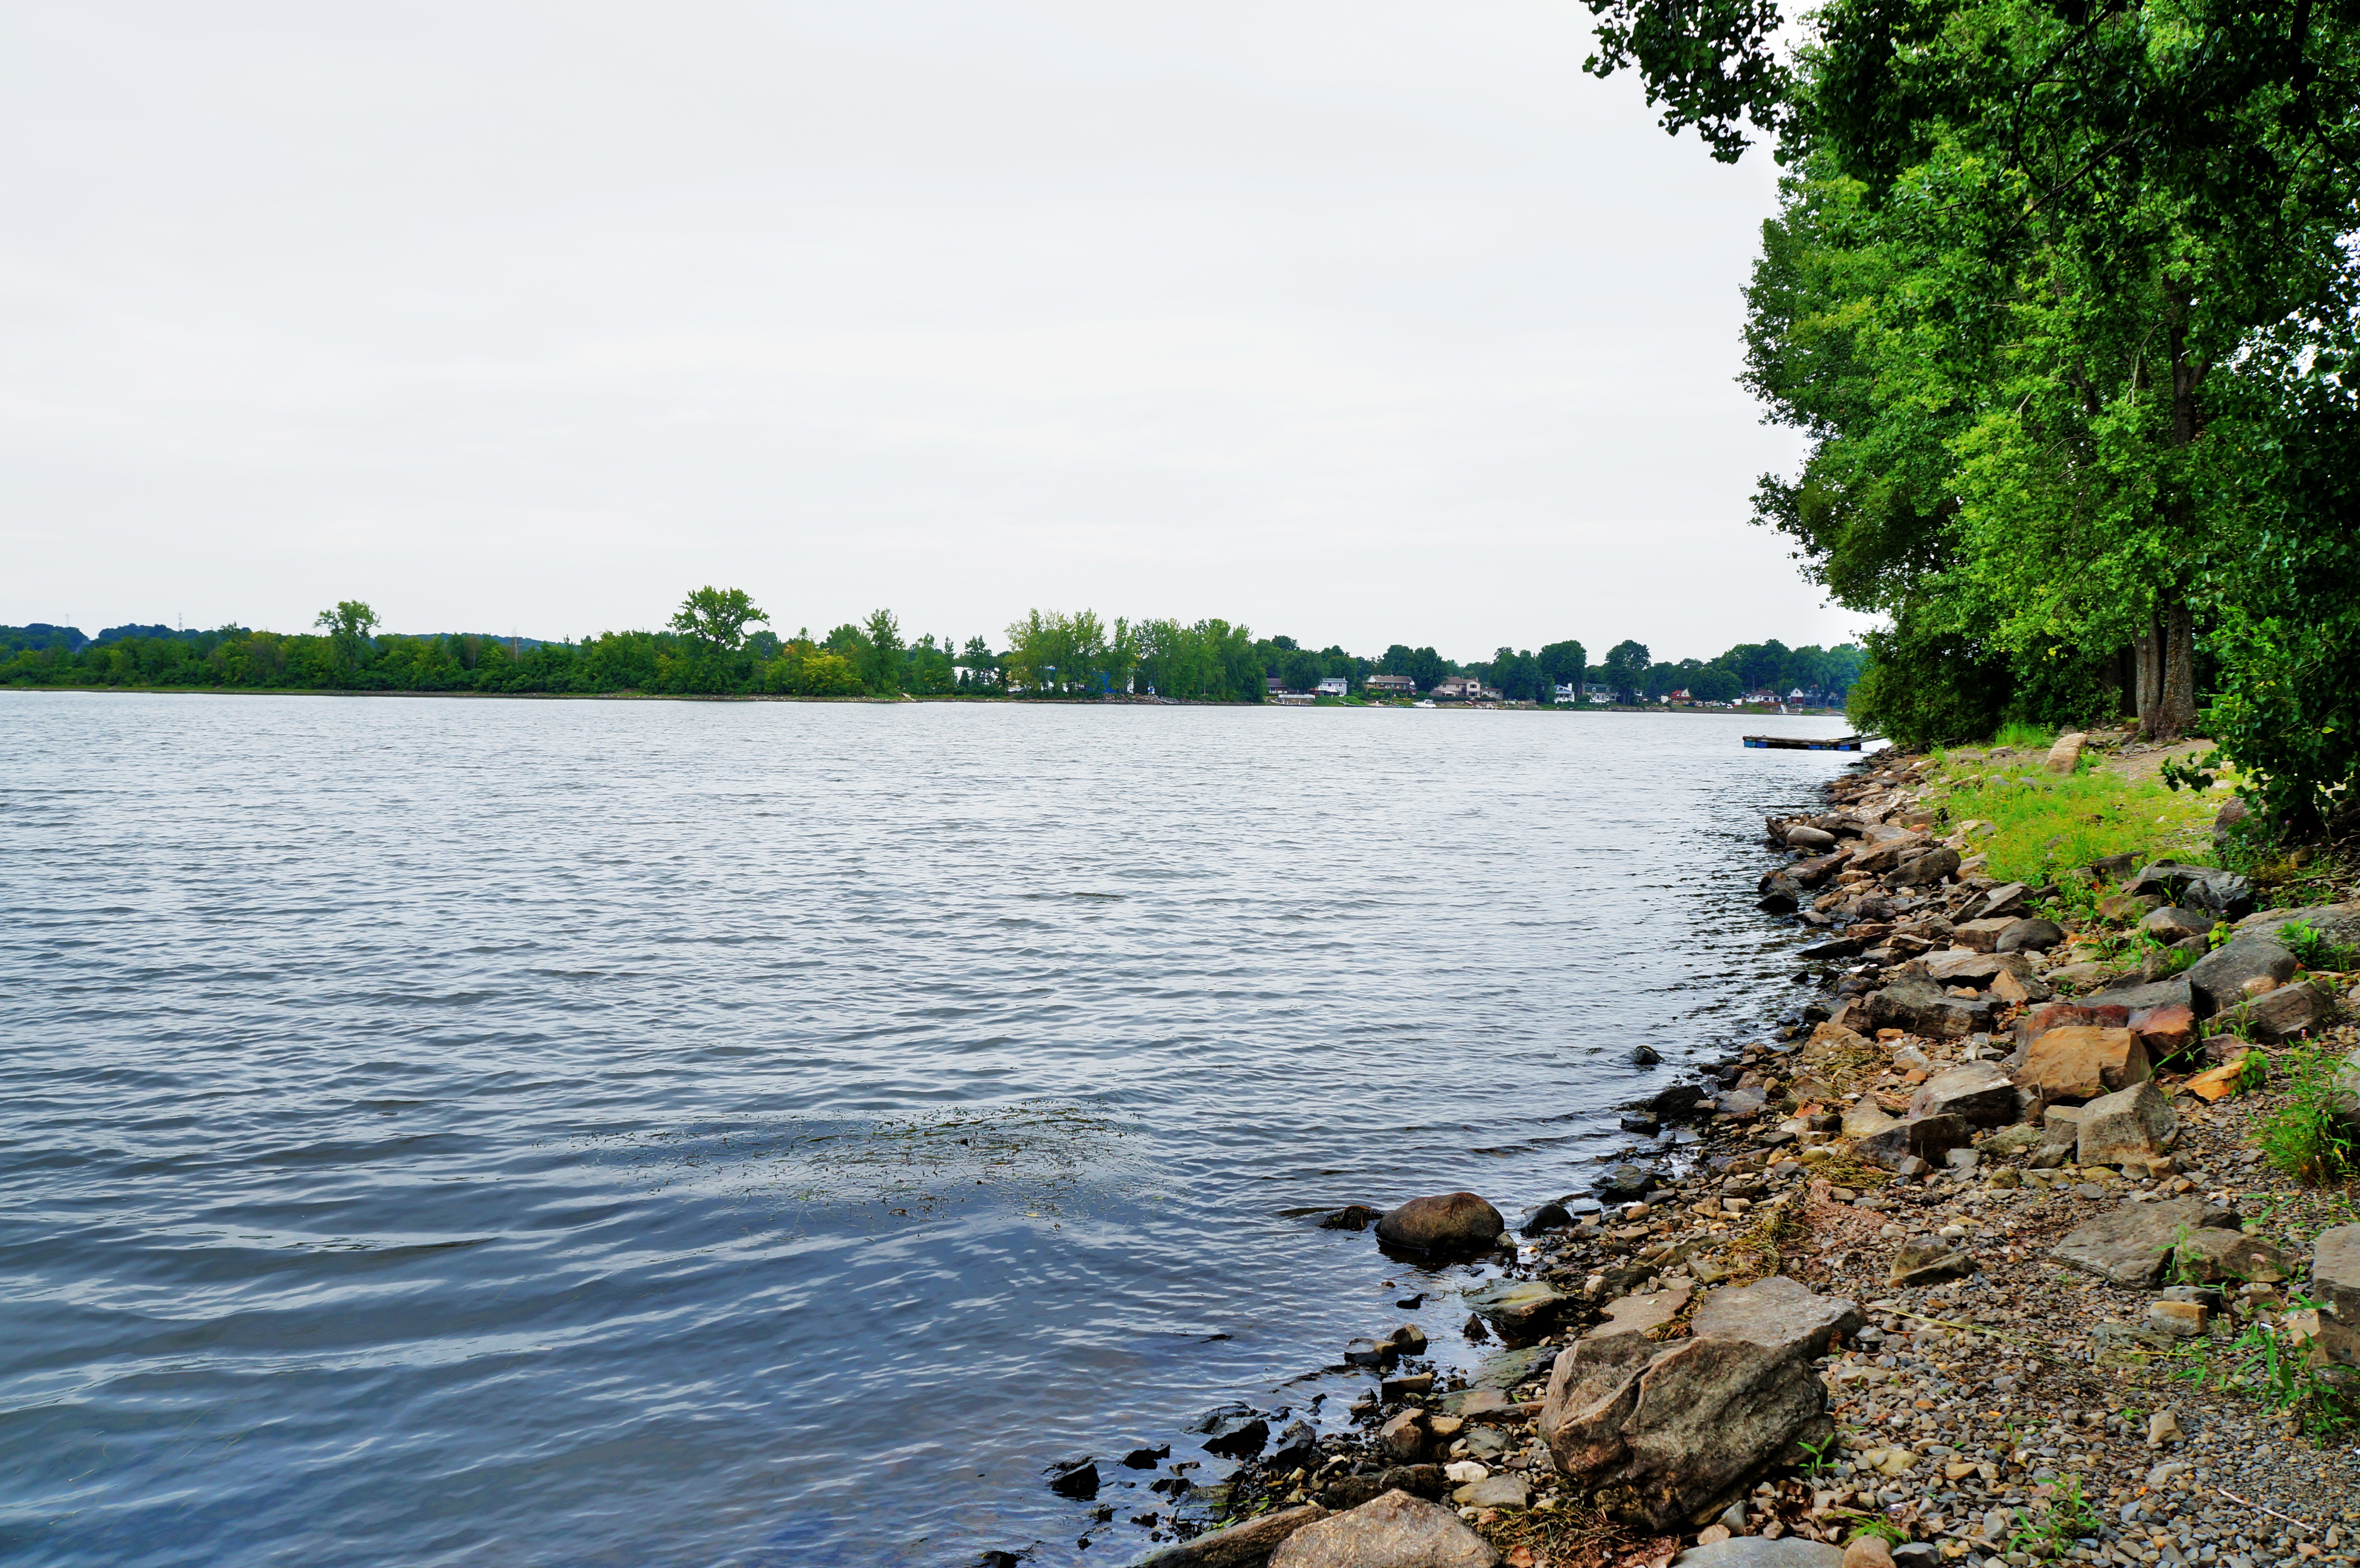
point(2307, 1136)
point(1821, 1456)
point(2024, 737)
point(2068, 1515)
point(2312, 950)
point(2260, 1364)
point(1885, 1530)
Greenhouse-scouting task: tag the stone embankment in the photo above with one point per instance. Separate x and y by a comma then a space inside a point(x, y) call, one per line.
point(1979, 1266)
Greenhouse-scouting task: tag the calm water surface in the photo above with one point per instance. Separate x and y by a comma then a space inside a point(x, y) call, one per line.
point(514, 1132)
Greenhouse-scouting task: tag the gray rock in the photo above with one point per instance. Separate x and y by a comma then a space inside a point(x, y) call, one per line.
point(2130, 1124)
point(2194, 886)
point(1922, 1007)
point(1247, 1545)
point(1523, 1308)
point(2335, 1272)
point(1494, 1492)
point(1753, 1552)
point(2283, 1013)
point(1453, 1222)
point(1804, 836)
point(2031, 935)
point(2172, 993)
point(1929, 1139)
point(2171, 923)
point(2133, 1245)
point(2213, 1254)
point(1925, 870)
point(1657, 1430)
point(2229, 822)
point(2003, 902)
point(2339, 923)
point(1980, 1093)
point(1395, 1530)
point(2216, 982)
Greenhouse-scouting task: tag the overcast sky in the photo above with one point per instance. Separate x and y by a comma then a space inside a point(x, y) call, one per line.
point(1365, 322)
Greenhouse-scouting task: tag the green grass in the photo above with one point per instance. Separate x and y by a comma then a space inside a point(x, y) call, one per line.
point(2073, 820)
point(2024, 737)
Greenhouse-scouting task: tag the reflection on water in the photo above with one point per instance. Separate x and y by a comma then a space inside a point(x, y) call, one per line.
point(655, 1133)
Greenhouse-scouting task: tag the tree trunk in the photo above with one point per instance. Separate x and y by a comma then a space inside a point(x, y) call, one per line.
point(2148, 685)
point(2176, 714)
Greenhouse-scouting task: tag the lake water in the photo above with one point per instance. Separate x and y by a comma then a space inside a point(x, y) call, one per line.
point(670, 1133)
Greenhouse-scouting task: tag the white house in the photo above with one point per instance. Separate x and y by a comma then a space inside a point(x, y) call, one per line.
point(1333, 686)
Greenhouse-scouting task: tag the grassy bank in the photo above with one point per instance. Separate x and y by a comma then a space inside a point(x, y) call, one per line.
point(2040, 821)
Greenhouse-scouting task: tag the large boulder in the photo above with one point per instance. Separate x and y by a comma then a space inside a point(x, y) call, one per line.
point(1452, 1222)
point(2133, 1245)
point(2065, 755)
point(1247, 1545)
point(1802, 835)
point(1396, 1531)
point(1657, 1430)
point(2217, 981)
point(1922, 1007)
point(2132, 1125)
point(1981, 1092)
point(2082, 1062)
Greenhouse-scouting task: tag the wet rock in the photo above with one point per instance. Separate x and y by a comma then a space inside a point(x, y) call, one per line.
point(1548, 1217)
point(1074, 1479)
point(2217, 981)
point(1407, 1340)
point(1675, 1102)
point(2132, 1245)
point(1646, 1056)
point(1247, 1545)
point(1395, 1531)
point(1452, 1222)
point(1298, 1442)
point(1147, 1458)
point(1657, 1430)
point(1351, 1216)
point(1980, 1093)
point(1639, 1122)
point(1928, 1264)
point(1237, 1437)
point(1627, 1182)
point(1394, 1390)
point(1369, 1353)
point(2030, 935)
point(2131, 1124)
point(2082, 1062)
point(1521, 1308)
point(1754, 1551)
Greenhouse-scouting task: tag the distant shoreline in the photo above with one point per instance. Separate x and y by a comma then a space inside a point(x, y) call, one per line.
point(905, 697)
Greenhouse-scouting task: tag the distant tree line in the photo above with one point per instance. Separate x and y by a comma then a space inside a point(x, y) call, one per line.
point(719, 642)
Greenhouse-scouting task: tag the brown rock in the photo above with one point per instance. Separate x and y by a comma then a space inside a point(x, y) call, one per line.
point(1867, 1551)
point(1403, 1439)
point(2210, 1255)
point(1453, 1222)
point(2164, 1031)
point(1980, 1091)
point(2132, 1125)
point(1982, 936)
point(2083, 1062)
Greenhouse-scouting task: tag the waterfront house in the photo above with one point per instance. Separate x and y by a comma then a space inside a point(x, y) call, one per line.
point(1389, 686)
point(1457, 689)
point(1333, 686)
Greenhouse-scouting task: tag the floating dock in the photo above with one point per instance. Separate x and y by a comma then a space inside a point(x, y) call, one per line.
point(1800, 743)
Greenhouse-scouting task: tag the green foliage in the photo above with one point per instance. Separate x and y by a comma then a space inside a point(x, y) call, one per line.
point(2022, 736)
point(2307, 1136)
point(2070, 820)
point(2312, 949)
point(2067, 1517)
point(2262, 1363)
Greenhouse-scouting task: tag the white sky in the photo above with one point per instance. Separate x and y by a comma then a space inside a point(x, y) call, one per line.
point(1365, 322)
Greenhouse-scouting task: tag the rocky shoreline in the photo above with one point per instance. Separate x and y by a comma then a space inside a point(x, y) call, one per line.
point(1980, 1265)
